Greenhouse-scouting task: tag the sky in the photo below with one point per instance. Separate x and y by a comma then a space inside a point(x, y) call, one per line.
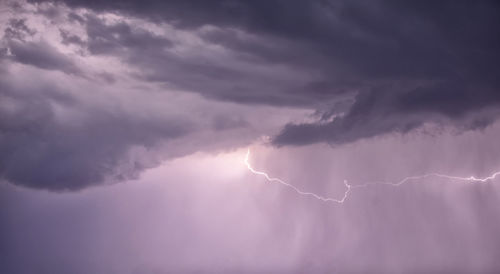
point(249, 136)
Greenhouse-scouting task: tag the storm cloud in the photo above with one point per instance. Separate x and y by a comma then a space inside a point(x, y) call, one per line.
point(366, 69)
point(402, 64)
point(40, 150)
point(89, 98)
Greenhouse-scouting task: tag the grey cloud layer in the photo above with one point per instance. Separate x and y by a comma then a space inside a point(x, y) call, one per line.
point(410, 63)
point(86, 100)
point(223, 72)
point(39, 151)
point(366, 68)
point(41, 55)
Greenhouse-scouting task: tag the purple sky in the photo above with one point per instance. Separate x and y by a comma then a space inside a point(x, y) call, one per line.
point(124, 127)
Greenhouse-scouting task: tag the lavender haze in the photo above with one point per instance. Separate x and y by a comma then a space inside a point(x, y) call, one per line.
point(144, 136)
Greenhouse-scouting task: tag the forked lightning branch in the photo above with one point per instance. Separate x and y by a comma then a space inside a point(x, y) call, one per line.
point(349, 188)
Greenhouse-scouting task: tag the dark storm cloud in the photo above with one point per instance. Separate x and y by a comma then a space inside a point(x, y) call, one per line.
point(17, 29)
point(368, 68)
point(444, 54)
point(384, 110)
point(120, 36)
point(233, 76)
point(39, 54)
point(68, 38)
point(42, 55)
point(38, 150)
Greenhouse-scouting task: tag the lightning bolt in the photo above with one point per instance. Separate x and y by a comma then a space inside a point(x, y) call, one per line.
point(349, 187)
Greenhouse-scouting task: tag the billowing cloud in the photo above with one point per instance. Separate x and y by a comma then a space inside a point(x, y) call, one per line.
point(409, 64)
point(363, 69)
point(90, 98)
point(41, 55)
point(52, 140)
point(385, 110)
